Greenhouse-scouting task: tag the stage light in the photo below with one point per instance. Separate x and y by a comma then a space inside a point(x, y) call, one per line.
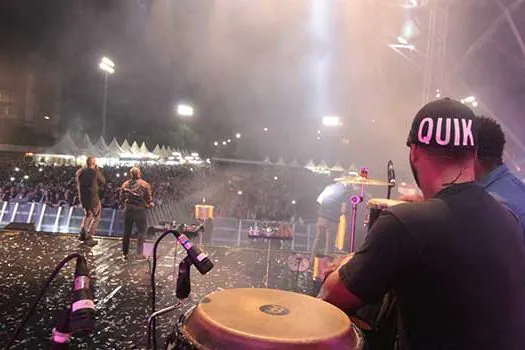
point(265, 129)
point(229, 140)
point(46, 117)
point(318, 138)
point(275, 178)
point(331, 121)
point(293, 202)
point(118, 175)
point(26, 177)
point(239, 192)
point(216, 143)
point(318, 131)
point(238, 135)
point(17, 169)
point(224, 143)
point(40, 170)
point(12, 178)
point(438, 93)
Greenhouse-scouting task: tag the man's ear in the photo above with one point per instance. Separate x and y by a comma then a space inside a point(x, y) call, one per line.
point(414, 153)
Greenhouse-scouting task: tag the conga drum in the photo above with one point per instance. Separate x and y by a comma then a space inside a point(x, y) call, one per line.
point(269, 319)
point(375, 207)
point(203, 212)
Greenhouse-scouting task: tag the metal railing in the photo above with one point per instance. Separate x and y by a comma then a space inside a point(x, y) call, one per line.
point(65, 219)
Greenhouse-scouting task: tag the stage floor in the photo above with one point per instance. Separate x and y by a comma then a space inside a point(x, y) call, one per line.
point(122, 292)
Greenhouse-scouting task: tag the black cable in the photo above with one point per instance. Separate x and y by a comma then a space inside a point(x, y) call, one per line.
point(40, 295)
point(153, 291)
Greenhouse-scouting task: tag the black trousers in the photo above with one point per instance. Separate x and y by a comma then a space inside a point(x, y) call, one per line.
point(137, 217)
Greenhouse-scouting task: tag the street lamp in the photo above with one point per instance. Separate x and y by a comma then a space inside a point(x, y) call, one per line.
point(331, 121)
point(185, 110)
point(108, 67)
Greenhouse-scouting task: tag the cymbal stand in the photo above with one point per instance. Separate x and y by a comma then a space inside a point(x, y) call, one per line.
point(267, 274)
point(298, 260)
point(355, 201)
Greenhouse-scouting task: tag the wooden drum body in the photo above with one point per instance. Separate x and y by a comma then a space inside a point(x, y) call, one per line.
point(256, 319)
point(203, 212)
point(375, 207)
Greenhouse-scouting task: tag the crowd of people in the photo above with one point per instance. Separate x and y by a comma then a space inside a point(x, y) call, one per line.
point(26, 182)
point(254, 192)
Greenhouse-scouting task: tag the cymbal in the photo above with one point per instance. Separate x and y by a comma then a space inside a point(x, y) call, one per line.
point(359, 180)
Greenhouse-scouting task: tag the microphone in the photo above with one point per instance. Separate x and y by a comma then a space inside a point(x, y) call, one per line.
point(391, 176)
point(198, 257)
point(183, 280)
point(82, 318)
point(60, 337)
point(391, 173)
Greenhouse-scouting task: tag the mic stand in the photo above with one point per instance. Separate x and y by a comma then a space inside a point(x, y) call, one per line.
point(177, 234)
point(153, 317)
point(41, 294)
point(355, 201)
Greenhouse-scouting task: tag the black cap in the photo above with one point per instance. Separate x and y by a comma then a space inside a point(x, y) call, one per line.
point(444, 123)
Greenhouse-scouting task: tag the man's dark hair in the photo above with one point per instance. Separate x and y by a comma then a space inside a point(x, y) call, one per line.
point(491, 139)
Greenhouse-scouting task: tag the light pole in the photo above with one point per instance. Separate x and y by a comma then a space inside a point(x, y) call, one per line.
point(108, 67)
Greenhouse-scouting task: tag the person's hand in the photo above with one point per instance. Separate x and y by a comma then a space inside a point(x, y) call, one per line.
point(337, 263)
point(411, 198)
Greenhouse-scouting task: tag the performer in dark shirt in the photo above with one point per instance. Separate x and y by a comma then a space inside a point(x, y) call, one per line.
point(88, 181)
point(137, 198)
point(454, 261)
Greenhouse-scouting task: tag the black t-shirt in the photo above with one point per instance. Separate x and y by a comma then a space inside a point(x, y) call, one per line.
point(457, 266)
point(88, 180)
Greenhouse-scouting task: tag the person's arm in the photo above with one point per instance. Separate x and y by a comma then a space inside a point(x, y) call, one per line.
point(77, 177)
point(100, 178)
point(387, 253)
point(148, 197)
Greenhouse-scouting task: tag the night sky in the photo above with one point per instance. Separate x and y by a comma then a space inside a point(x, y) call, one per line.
point(246, 65)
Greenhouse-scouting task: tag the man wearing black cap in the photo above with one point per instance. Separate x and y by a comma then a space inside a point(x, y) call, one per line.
point(454, 261)
point(492, 173)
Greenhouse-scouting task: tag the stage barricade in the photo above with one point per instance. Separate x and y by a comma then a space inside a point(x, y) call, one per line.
point(227, 231)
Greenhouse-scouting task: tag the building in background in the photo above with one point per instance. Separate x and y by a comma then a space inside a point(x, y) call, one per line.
point(30, 100)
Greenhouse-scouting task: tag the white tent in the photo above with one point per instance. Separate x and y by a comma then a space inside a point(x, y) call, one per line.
point(64, 147)
point(135, 149)
point(337, 167)
point(114, 150)
point(126, 148)
point(156, 151)
point(310, 165)
point(102, 147)
point(144, 149)
point(86, 148)
point(280, 162)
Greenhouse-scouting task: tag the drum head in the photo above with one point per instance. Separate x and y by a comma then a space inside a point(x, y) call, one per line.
point(249, 318)
point(383, 202)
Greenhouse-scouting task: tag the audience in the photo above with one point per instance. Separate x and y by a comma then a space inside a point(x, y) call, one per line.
point(253, 192)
